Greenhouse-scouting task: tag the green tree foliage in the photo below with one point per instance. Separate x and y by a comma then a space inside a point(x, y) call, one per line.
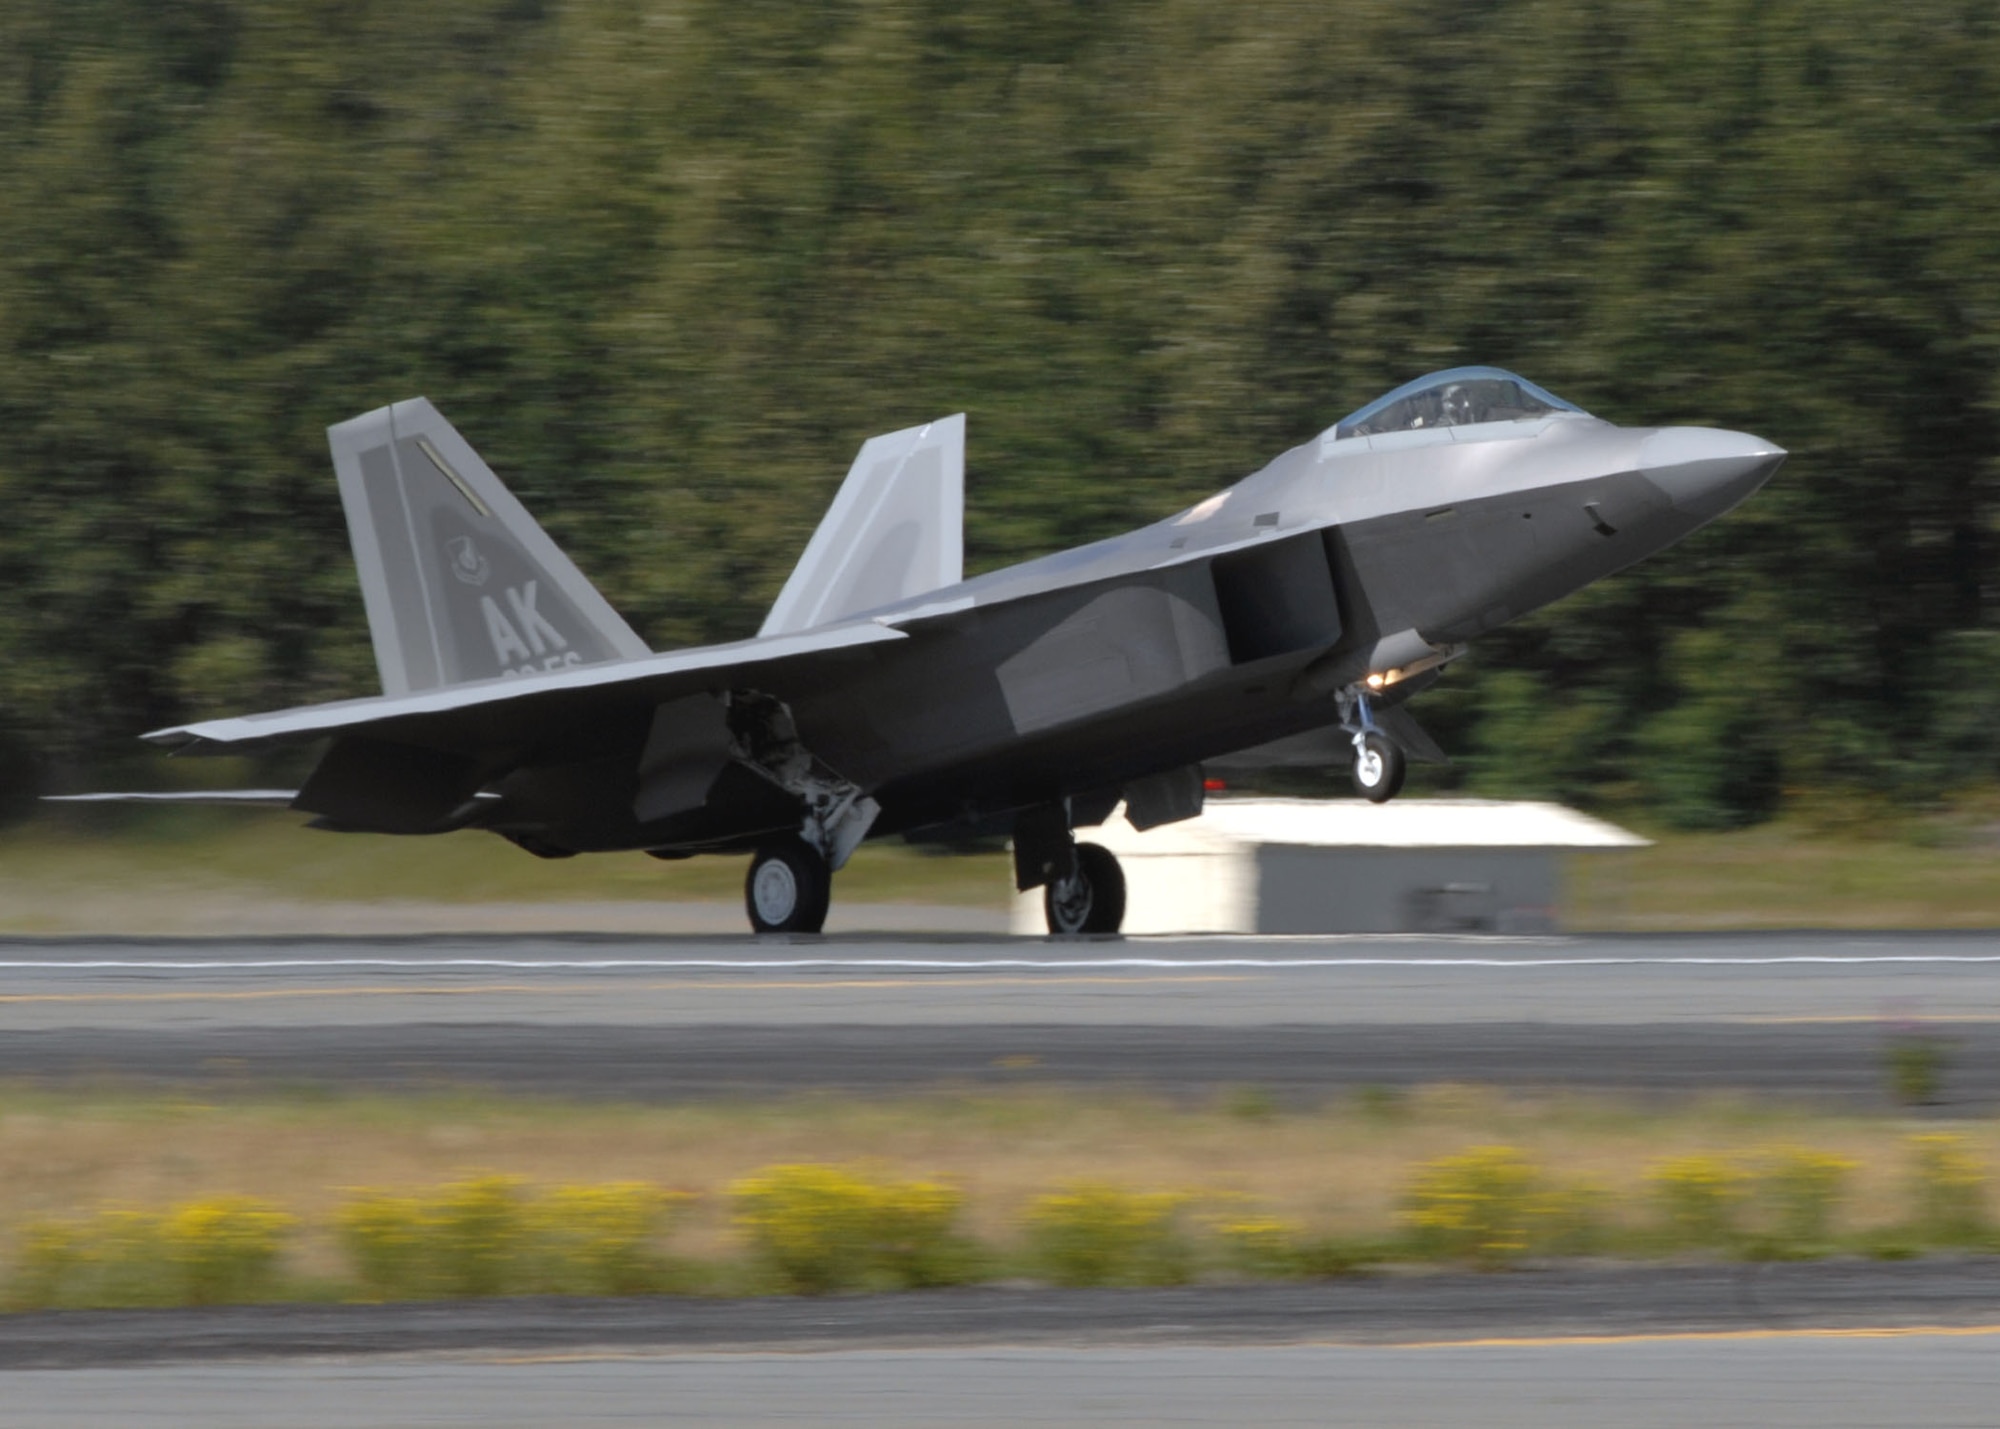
point(667, 262)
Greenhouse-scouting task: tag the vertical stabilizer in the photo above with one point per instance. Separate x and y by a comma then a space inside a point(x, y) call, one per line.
point(896, 529)
point(460, 582)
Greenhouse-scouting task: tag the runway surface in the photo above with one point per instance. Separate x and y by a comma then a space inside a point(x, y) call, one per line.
point(1566, 1302)
point(1805, 1013)
point(1933, 1381)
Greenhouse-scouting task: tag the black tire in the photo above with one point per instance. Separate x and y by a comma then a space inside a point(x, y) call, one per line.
point(788, 887)
point(1379, 767)
point(1093, 901)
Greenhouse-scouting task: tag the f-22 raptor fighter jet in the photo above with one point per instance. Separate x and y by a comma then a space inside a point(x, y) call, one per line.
point(886, 694)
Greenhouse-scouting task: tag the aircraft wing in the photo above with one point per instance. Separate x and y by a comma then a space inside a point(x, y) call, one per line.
point(489, 713)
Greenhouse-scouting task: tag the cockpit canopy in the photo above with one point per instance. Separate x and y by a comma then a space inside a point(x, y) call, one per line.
point(1456, 397)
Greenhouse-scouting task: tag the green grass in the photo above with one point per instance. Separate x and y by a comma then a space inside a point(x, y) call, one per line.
point(1912, 874)
point(55, 868)
point(1456, 1173)
point(275, 853)
point(82, 871)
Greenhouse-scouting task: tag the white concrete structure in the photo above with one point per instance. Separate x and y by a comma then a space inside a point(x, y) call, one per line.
point(1345, 866)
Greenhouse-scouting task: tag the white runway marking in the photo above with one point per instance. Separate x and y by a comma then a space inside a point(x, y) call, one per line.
point(794, 965)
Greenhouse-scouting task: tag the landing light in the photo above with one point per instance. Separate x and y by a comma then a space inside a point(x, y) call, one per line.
point(1382, 679)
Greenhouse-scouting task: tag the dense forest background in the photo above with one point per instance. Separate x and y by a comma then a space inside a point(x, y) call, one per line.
point(668, 262)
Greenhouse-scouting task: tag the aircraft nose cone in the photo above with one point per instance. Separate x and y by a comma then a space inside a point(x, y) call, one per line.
point(1704, 471)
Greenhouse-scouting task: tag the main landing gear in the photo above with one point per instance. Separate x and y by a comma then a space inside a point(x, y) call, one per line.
point(791, 877)
point(1092, 898)
point(1083, 888)
point(789, 887)
point(1379, 763)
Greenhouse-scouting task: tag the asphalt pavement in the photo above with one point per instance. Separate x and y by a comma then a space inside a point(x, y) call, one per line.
point(1926, 1381)
point(1829, 1345)
point(1803, 1013)
point(1565, 1301)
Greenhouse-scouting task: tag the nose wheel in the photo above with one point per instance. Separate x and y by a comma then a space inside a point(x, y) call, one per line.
point(1091, 899)
point(1379, 767)
point(789, 887)
point(1379, 762)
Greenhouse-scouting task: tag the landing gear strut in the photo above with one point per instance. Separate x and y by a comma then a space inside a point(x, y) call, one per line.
point(1083, 889)
point(1091, 899)
point(789, 887)
point(791, 878)
point(1379, 764)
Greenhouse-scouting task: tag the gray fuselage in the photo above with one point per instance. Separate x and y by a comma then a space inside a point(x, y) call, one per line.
point(1230, 624)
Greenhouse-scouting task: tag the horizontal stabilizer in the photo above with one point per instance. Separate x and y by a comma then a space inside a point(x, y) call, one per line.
point(896, 529)
point(460, 582)
point(227, 798)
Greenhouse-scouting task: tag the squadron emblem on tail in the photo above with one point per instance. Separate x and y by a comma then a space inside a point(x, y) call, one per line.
point(466, 562)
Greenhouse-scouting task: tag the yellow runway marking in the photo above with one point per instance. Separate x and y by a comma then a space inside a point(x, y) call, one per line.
point(757, 985)
point(1865, 1332)
point(1877, 1019)
point(1520, 1342)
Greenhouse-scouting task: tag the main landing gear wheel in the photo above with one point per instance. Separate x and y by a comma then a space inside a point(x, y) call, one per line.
point(1090, 901)
point(1379, 768)
point(789, 887)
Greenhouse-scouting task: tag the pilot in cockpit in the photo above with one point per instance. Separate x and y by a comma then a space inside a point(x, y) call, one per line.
point(1460, 397)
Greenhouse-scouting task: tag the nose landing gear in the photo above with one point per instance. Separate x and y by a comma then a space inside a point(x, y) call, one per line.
point(1379, 768)
point(1379, 762)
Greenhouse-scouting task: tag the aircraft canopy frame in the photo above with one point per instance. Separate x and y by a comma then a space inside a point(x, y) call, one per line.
point(1454, 397)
